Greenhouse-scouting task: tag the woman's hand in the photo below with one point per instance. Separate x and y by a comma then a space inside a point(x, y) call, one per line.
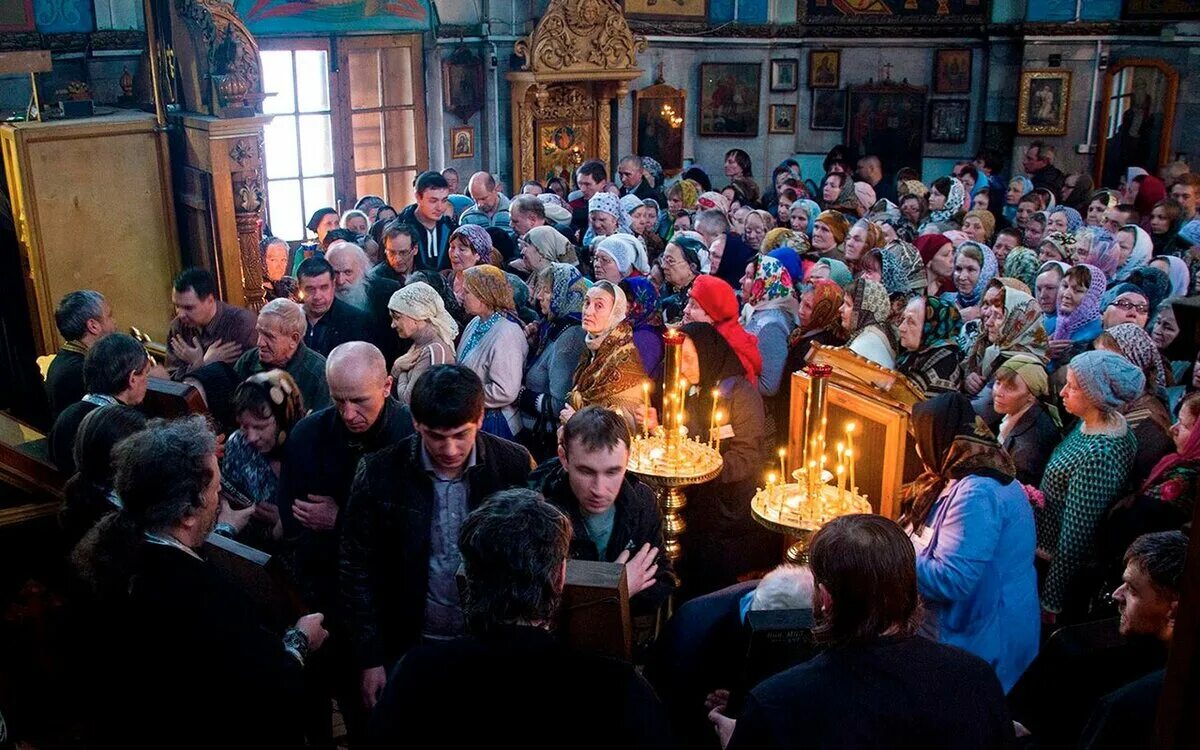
point(1058, 348)
point(268, 515)
point(565, 415)
point(969, 313)
point(646, 417)
point(973, 383)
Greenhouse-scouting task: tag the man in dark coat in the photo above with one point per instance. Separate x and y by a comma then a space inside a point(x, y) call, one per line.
point(614, 517)
point(511, 683)
point(331, 321)
point(83, 317)
point(399, 551)
point(432, 220)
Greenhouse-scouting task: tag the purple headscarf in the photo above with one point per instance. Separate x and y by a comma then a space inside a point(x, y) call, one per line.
point(478, 238)
point(1087, 310)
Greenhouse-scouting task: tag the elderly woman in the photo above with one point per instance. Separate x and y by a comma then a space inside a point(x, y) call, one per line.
point(1056, 247)
point(643, 220)
point(1086, 473)
point(1014, 326)
point(1018, 187)
point(1147, 414)
point(979, 226)
point(769, 313)
point(610, 372)
point(557, 348)
point(929, 348)
point(680, 265)
point(758, 222)
point(862, 238)
point(1029, 430)
point(1022, 264)
point(420, 315)
point(605, 218)
point(937, 252)
point(1078, 321)
point(470, 245)
point(542, 246)
point(1035, 229)
point(267, 406)
point(1124, 303)
point(865, 312)
point(803, 216)
point(974, 268)
point(646, 321)
point(819, 321)
point(1177, 272)
point(973, 531)
point(1063, 219)
point(832, 269)
point(1136, 249)
point(494, 346)
point(614, 257)
point(829, 234)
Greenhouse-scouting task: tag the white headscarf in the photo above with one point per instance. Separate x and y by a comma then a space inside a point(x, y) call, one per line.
point(420, 301)
point(619, 310)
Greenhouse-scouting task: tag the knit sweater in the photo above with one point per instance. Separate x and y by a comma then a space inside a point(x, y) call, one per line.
point(1085, 475)
point(772, 327)
point(499, 361)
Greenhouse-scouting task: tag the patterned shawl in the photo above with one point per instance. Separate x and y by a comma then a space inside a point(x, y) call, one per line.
point(1074, 220)
point(1139, 348)
point(615, 366)
point(911, 264)
point(827, 305)
point(771, 288)
point(1022, 264)
point(987, 272)
point(1023, 332)
point(642, 299)
point(1087, 310)
point(954, 203)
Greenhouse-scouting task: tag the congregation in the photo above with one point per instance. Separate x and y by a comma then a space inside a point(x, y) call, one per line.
point(434, 411)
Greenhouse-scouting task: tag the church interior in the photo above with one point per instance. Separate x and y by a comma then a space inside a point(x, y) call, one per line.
point(944, 184)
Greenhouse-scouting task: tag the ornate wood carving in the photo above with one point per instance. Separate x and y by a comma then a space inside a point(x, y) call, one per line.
point(247, 189)
point(581, 36)
point(230, 59)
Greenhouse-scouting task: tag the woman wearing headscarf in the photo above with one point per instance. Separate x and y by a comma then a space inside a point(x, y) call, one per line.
point(1029, 427)
point(605, 219)
point(728, 255)
point(1177, 273)
point(819, 321)
point(780, 237)
point(470, 245)
point(769, 313)
point(865, 312)
point(712, 301)
point(908, 259)
point(557, 348)
point(1078, 321)
point(89, 494)
point(829, 233)
point(615, 256)
point(1014, 326)
point(494, 346)
point(755, 231)
point(973, 531)
point(722, 540)
point(947, 197)
point(1086, 473)
point(974, 268)
point(803, 216)
point(419, 315)
point(646, 321)
point(862, 238)
point(929, 348)
point(1147, 414)
point(544, 245)
point(1017, 187)
point(1155, 285)
point(979, 226)
point(832, 269)
point(710, 201)
point(643, 220)
point(938, 254)
point(610, 373)
point(883, 266)
point(680, 264)
point(681, 197)
point(1150, 190)
point(1099, 203)
point(266, 406)
point(1023, 264)
point(1077, 191)
point(1063, 219)
point(1136, 250)
point(1166, 500)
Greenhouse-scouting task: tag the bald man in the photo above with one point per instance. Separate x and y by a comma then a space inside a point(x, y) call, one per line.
point(491, 209)
point(319, 461)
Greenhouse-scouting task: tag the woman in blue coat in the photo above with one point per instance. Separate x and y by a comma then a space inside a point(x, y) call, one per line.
point(973, 530)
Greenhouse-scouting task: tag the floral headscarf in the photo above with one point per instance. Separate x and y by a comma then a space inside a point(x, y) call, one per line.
point(689, 192)
point(942, 324)
point(954, 203)
point(771, 288)
point(911, 265)
point(642, 298)
point(1139, 348)
point(654, 168)
point(712, 200)
point(477, 239)
point(568, 288)
point(1074, 220)
point(491, 286)
point(895, 280)
point(1087, 311)
point(827, 305)
point(1102, 253)
point(987, 272)
point(1023, 332)
point(608, 203)
point(1143, 248)
point(872, 306)
point(1022, 263)
point(280, 391)
point(778, 237)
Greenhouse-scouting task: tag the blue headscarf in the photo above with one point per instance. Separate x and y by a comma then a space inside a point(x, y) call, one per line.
point(1010, 212)
point(813, 212)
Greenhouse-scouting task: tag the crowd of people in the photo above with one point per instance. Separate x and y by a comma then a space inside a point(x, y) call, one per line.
point(433, 412)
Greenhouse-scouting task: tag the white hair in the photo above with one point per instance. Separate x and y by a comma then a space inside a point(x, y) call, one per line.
point(342, 246)
point(785, 587)
point(290, 315)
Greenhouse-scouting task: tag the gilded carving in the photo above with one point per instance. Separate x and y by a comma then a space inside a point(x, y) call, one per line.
point(527, 167)
point(232, 53)
point(241, 152)
point(603, 138)
point(564, 101)
point(581, 35)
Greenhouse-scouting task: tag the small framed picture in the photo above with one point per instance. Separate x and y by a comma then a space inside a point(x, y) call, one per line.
point(828, 109)
point(952, 71)
point(824, 69)
point(948, 121)
point(785, 75)
point(783, 119)
point(462, 143)
point(1044, 101)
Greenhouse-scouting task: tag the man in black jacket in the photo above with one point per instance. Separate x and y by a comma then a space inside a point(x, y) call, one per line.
point(614, 517)
point(331, 321)
point(431, 219)
point(399, 548)
point(319, 461)
point(511, 683)
point(83, 317)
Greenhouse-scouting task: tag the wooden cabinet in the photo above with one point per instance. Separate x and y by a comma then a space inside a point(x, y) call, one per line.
point(93, 207)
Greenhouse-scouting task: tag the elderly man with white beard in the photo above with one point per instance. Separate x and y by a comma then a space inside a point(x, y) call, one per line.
point(366, 291)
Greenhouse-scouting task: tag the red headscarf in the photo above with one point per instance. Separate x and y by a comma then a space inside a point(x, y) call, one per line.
point(1189, 454)
point(716, 298)
point(928, 245)
point(1150, 191)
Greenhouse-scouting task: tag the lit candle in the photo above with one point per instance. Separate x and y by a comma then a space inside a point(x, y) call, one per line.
point(849, 436)
point(811, 489)
point(646, 407)
point(850, 461)
point(712, 430)
point(783, 462)
point(841, 453)
point(841, 479)
point(717, 432)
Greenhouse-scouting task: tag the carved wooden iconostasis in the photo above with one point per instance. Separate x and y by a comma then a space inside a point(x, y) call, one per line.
point(580, 58)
